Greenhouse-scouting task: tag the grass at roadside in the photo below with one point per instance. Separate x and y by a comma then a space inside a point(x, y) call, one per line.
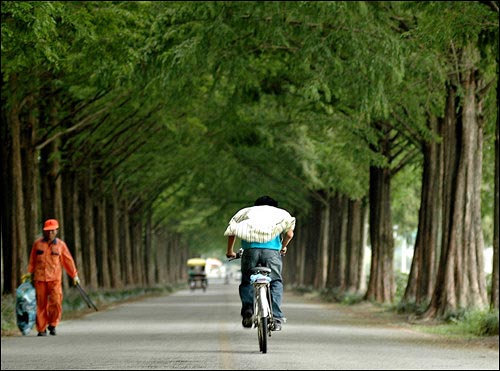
point(472, 325)
point(74, 306)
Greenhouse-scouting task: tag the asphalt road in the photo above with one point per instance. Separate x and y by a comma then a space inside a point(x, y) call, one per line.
point(202, 330)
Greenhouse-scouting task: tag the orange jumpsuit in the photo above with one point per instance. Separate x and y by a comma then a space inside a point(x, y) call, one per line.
point(46, 261)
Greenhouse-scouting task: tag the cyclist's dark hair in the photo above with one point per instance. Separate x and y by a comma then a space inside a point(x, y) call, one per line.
point(266, 200)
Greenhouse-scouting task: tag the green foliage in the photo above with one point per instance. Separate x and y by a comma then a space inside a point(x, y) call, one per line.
point(262, 58)
point(401, 282)
point(9, 323)
point(340, 296)
point(469, 323)
point(405, 203)
point(402, 306)
point(28, 32)
point(480, 323)
point(460, 22)
point(410, 308)
point(191, 110)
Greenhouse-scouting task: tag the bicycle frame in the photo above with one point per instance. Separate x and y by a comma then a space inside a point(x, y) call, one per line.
point(263, 313)
point(261, 300)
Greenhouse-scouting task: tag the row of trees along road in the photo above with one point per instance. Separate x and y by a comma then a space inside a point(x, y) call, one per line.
point(143, 126)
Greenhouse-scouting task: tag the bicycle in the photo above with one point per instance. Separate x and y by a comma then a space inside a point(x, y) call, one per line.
point(262, 317)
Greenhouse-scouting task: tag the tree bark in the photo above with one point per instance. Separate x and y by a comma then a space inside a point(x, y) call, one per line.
point(149, 243)
point(301, 245)
point(461, 281)
point(311, 242)
point(72, 230)
point(355, 246)
point(137, 247)
point(338, 206)
point(127, 272)
point(381, 286)
point(294, 267)
point(31, 176)
point(423, 270)
point(323, 247)
point(102, 245)
point(88, 233)
point(113, 225)
point(19, 248)
point(6, 204)
point(496, 218)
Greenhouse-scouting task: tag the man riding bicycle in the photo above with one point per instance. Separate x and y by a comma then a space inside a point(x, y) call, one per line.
point(265, 231)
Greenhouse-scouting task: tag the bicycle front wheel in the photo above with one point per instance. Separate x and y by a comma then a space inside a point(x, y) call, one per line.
point(262, 331)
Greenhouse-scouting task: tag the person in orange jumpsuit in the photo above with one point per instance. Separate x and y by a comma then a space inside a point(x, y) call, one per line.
point(48, 255)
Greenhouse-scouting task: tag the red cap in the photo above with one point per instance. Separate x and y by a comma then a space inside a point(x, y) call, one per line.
point(50, 225)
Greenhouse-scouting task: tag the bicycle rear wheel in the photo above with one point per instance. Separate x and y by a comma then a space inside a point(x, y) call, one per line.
point(262, 331)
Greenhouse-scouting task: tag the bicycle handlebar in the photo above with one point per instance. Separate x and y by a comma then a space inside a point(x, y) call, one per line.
point(238, 255)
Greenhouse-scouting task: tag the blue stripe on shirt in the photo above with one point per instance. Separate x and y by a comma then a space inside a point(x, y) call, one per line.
point(274, 244)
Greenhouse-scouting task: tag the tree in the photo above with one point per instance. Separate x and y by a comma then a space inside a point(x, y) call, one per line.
point(460, 282)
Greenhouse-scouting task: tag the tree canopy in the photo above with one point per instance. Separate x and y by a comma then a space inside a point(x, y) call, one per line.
point(181, 113)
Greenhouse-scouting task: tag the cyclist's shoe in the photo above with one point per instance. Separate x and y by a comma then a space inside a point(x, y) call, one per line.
point(247, 321)
point(277, 324)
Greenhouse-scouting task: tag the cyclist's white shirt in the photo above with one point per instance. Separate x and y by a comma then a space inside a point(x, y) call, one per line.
point(259, 223)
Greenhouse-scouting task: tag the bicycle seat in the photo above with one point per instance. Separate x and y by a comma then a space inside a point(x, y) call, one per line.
point(263, 270)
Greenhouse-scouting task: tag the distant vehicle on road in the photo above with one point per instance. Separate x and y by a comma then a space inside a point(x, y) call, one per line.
point(197, 274)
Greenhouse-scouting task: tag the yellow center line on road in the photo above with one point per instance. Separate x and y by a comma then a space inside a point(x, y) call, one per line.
point(225, 348)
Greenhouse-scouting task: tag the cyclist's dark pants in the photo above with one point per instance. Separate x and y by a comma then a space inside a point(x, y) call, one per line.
point(268, 258)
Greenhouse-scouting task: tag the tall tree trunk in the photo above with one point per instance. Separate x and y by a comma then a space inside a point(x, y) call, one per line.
point(72, 229)
point(323, 247)
point(19, 248)
point(355, 246)
point(337, 246)
point(159, 257)
point(88, 232)
point(301, 245)
point(172, 246)
point(113, 225)
point(138, 252)
point(102, 246)
point(461, 281)
point(127, 271)
point(169, 246)
point(421, 280)
point(363, 284)
point(496, 218)
point(31, 176)
point(149, 246)
point(300, 260)
point(6, 204)
point(314, 240)
point(294, 262)
point(182, 254)
point(381, 287)
point(14, 242)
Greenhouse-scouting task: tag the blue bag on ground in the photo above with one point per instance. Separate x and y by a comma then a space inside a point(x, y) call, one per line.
point(25, 307)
